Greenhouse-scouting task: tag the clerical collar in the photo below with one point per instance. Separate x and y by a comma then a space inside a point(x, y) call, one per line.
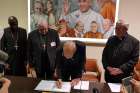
point(123, 37)
point(86, 13)
point(43, 34)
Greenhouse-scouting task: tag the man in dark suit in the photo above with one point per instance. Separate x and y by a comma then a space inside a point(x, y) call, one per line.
point(120, 55)
point(42, 46)
point(14, 43)
point(70, 62)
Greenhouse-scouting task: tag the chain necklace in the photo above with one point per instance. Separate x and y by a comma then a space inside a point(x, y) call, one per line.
point(15, 39)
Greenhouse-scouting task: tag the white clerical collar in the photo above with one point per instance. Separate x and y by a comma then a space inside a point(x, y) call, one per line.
point(86, 13)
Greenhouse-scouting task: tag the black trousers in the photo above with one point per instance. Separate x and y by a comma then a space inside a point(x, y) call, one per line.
point(46, 71)
point(47, 75)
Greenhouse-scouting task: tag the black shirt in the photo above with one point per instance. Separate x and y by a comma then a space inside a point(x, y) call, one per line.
point(67, 68)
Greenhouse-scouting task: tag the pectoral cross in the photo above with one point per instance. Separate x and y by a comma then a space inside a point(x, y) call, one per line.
point(16, 46)
point(44, 46)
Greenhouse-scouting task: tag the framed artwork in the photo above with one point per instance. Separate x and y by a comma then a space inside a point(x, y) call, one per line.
point(84, 20)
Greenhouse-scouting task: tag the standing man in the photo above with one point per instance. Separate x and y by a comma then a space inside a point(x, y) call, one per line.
point(42, 46)
point(120, 55)
point(14, 43)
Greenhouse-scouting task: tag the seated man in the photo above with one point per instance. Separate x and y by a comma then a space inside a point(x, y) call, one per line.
point(5, 86)
point(79, 29)
point(68, 58)
point(135, 82)
point(93, 33)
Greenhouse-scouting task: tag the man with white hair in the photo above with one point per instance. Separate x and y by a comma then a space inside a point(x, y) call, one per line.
point(84, 14)
point(70, 62)
point(108, 28)
point(42, 46)
point(38, 13)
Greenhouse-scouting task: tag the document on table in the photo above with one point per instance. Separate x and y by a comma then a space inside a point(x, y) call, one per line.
point(45, 85)
point(115, 87)
point(82, 85)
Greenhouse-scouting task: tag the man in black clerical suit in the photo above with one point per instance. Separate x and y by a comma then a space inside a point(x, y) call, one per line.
point(14, 42)
point(42, 47)
point(70, 62)
point(120, 54)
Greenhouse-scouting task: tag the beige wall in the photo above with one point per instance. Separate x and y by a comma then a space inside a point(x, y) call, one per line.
point(129, 11)
point(16, 8)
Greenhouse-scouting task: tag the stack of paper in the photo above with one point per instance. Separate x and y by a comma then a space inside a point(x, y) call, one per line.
point(115, 87)
point(82, 85)
point(51, 86)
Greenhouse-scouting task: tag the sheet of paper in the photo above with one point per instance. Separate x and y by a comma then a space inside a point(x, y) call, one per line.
point(51, 86)
point(82, 85)
point(115, 87)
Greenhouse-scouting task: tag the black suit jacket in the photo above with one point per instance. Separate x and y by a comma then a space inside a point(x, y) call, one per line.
point(17, 58)
point(78, 61)
point(7, 44)
point(121, 54)
point(34, 48)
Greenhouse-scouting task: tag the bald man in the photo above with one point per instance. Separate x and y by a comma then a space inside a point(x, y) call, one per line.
point(69, 61)
point(14, 42)
point(79, 29)
point(108, 28)
point(42, 46)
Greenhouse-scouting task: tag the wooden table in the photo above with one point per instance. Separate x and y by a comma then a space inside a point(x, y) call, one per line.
point(27, 85)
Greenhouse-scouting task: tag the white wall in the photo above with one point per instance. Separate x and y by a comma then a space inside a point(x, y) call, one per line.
point(129, 11)
point(16, 8)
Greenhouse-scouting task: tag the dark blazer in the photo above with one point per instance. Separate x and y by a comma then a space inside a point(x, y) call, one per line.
point(34, 48)
point(17, 59)
point(123, 54)
point(76, 67)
